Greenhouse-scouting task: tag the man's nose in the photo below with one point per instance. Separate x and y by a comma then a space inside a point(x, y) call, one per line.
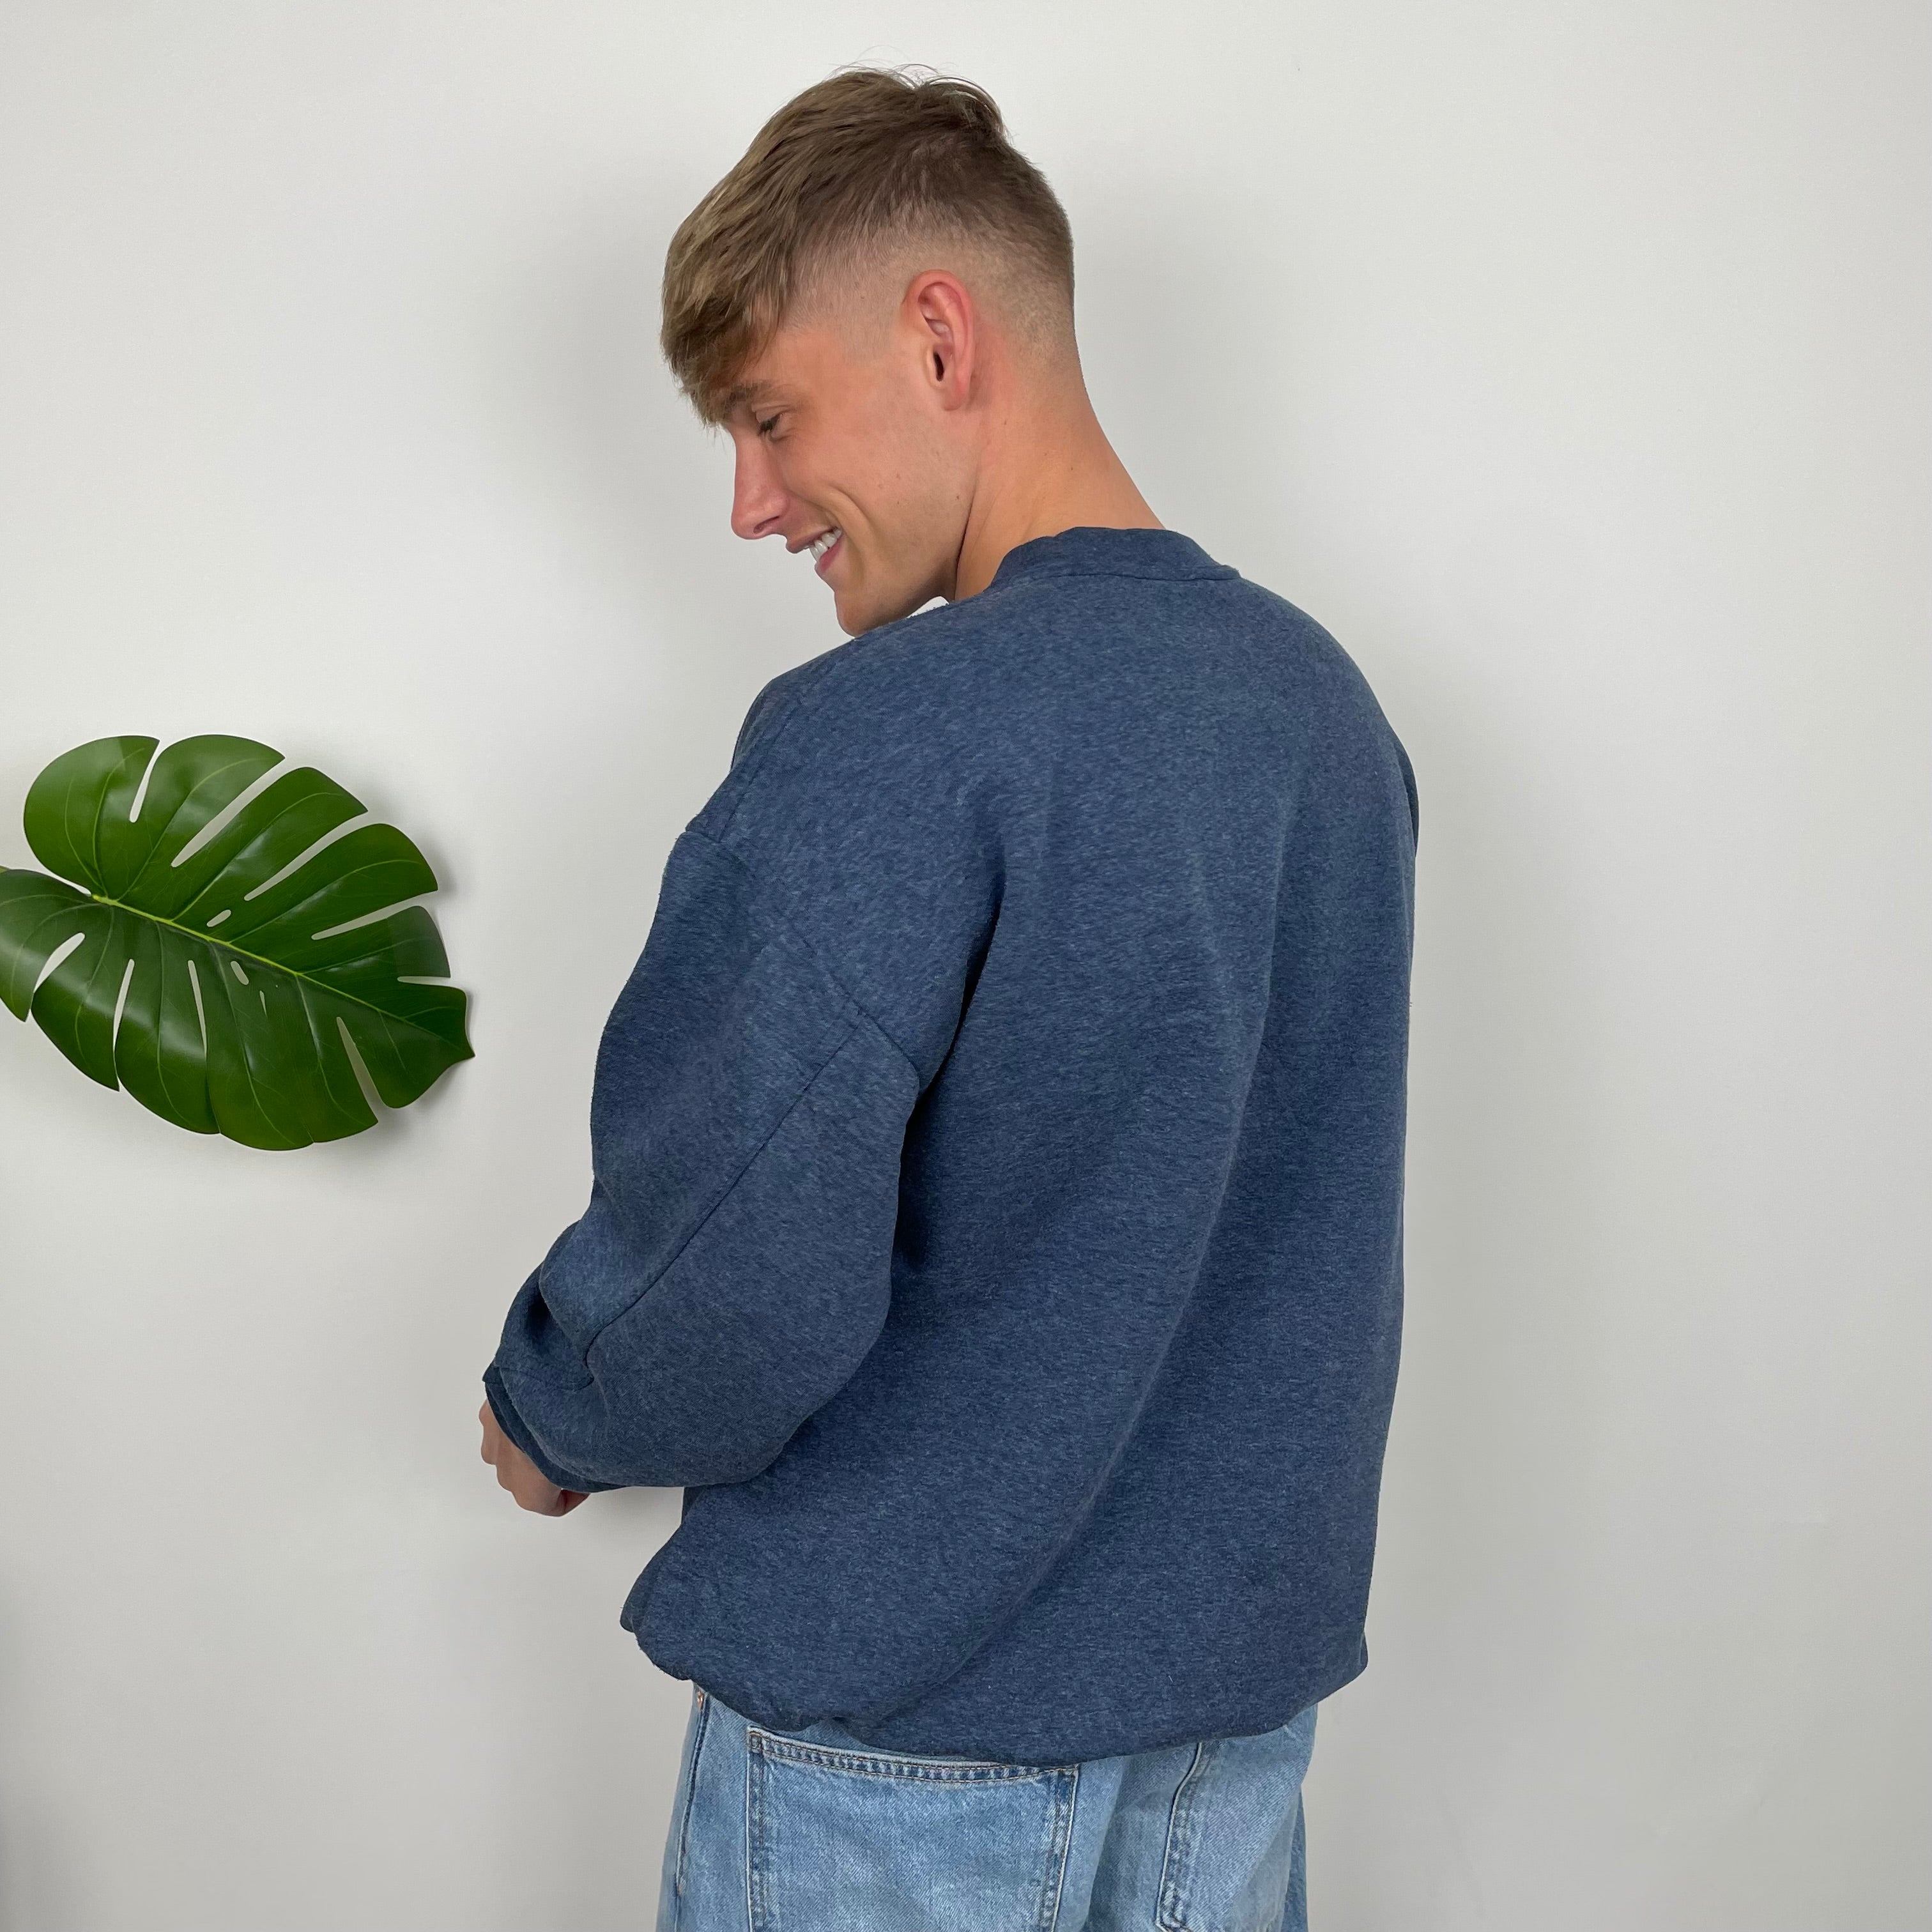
point(758, 500)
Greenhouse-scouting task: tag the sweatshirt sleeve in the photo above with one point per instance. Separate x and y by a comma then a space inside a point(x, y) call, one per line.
point(734, 1264)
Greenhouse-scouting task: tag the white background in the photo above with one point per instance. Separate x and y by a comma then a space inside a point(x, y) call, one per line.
point(1567, 361)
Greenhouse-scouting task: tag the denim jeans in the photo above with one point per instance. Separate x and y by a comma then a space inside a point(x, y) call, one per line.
point(816, 1831)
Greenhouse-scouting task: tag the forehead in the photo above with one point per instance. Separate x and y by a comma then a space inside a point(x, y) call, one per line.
point(801, 359)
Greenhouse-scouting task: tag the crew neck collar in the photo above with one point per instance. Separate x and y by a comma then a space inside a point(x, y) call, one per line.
point(1093, 550)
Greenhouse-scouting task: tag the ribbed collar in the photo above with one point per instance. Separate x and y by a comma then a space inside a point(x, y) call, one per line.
point(1089, 550)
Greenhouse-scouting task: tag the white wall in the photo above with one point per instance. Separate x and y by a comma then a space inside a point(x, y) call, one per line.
point(1568, 362)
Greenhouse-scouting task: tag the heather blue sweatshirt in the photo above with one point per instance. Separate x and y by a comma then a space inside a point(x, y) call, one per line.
point(997, 1214)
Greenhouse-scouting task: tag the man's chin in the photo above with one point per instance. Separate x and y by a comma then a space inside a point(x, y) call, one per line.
point(857, 615)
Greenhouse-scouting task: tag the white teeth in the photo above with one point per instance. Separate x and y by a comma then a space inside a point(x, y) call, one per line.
point(820, 545)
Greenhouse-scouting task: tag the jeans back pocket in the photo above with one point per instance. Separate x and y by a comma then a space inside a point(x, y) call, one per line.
point(866, 1841)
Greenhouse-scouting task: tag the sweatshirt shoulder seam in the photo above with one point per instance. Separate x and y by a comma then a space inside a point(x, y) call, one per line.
point(824, 965)
point(724, 1194)
point(754, 760)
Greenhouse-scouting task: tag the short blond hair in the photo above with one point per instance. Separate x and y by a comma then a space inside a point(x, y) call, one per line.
point(847, 175)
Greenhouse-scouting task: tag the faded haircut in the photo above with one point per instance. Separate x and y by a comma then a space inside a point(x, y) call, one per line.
point(840, 182)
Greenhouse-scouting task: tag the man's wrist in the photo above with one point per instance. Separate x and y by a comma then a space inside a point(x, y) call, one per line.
point(513, 1426)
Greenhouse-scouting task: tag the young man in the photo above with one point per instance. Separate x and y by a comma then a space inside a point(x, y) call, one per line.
point(996, 1225)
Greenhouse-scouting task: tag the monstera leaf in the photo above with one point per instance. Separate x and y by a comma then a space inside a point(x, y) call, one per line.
point(222, 980)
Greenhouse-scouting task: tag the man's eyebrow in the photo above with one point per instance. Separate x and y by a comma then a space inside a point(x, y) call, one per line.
point(746, 395)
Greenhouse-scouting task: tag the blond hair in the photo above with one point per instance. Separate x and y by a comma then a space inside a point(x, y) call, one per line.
point(842, 179)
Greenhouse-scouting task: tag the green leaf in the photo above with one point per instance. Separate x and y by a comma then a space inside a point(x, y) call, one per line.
point(234, 982)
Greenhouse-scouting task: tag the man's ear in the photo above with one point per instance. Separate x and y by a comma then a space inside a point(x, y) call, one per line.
point(945, 326)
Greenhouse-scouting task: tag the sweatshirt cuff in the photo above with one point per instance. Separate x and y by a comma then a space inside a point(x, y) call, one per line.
point(517, 1430)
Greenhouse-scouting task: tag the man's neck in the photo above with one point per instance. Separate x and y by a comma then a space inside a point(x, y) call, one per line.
point(1061, 475)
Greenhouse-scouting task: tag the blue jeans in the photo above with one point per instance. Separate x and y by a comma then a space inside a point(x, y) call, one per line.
point(818, 1832)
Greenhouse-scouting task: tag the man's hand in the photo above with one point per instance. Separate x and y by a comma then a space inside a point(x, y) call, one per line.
point(532, 1488)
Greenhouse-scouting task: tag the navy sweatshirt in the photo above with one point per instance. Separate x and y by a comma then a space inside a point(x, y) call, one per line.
point(996, 1214)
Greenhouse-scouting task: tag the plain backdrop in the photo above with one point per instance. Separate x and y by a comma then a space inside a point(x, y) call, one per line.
point(1567, 361)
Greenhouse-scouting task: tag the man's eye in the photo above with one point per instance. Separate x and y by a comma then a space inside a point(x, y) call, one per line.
point(765, 428)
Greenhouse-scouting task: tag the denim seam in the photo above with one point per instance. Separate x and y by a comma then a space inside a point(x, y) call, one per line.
point(755, 1916)
point(1064, 1813)
point(1170, 1907)
point(703, 1725)
point(829, 1757)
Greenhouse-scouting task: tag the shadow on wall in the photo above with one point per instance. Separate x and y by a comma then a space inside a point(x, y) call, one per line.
point(588, 402)
point(33, 1861)
point(1481, 1589)
point(674, 622)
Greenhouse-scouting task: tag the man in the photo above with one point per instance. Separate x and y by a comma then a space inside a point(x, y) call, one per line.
point(996, 1223)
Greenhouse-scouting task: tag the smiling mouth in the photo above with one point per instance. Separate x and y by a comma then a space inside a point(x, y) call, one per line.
point(823, 545)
